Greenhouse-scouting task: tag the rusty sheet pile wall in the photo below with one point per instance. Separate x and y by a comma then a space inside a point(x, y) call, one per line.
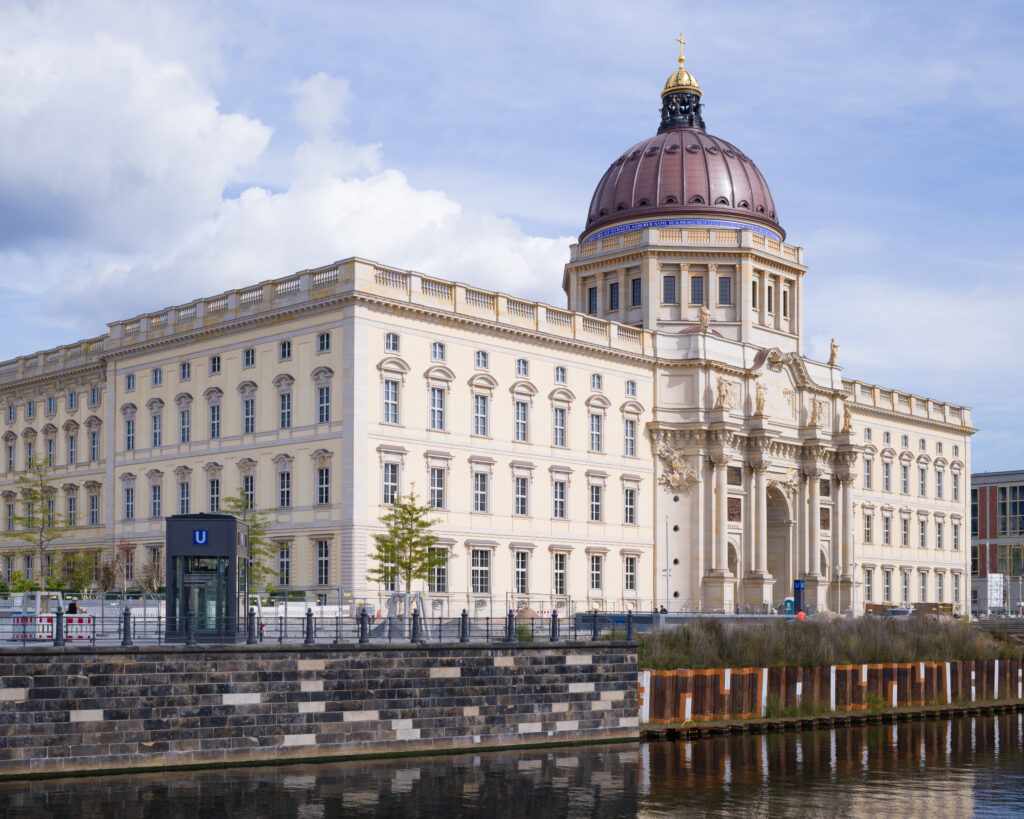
point(742, 693)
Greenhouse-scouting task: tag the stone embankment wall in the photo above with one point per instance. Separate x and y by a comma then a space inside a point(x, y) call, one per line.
point(742, 693)
point(71, 710)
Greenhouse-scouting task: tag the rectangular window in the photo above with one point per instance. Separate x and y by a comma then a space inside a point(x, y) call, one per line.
point(956, 537)
point(185, 426)
point(72, 505)
point(1009, 510)
point(939, 527)
point(629, 445)
point(595, 502)
point(249, 491)
point(214, 421)
point(30, 450)
point(629, 506)
point(214, 365)
point(284, 489)
point(248, 416)
point(924, 587)
point(596, 572)
point(696, 289)
point(213, 494)
point(158, 431)
point(559, 375)
point(129, 385)
point(323, 342)
point(558, 430)
point(592, 300)
point(323, 485)
point(668, 290)
point(51, 451)
point(558, 499)
point(390, 483)
point(521, 496)
point(785, 304)
point(613, 296)
point(522, 575)
point(725, 289)
point(868, 577)
point(596, 382)
point(771, 299)
point(323, 563)
point(905, 532)
point(10, 517)
point(867, 473)
point(522, 410)
point(129, 503)
point(390, 402)
point(886, 531)
point(284, 566)
point(284, 350)
point(285, 402)
point(158, 377)
point(437, 582)
point(184, 496)
point(956, 585)
point(480, 415)
point(922, 533)
point(155, 499)
point(437, 487)
point(940, 592)
point(480, 360)
point(249, 357)
point(28, 567)
point(629, 573)
point(753, 296)
point(956, 486)
point(938, 483)
point(558, 563)
point(129, 434)
point(94, 510)
point(10, 457)
point(905, 587)
point(479, 491)
point(595, 432)
point(481, 572)
point(72, 401)
point(905, 479)
point(94, 446)
point(922, 488)
point(323, 405)
point(186, 371)
point(637, 295)
point(868, 518)
point(886, 476)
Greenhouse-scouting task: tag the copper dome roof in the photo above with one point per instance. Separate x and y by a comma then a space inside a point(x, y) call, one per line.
point(682, 171)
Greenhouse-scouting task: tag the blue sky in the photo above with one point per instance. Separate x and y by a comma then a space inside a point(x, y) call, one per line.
point(155, 153)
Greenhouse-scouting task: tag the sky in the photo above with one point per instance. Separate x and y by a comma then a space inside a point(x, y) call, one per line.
point(155, 153)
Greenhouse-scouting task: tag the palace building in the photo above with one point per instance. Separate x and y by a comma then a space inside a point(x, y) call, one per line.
point(660, 439)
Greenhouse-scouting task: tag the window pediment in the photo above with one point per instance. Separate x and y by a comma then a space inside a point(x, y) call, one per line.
point(439, 376)
point(482, 381)
point(213, 395)
point(561, 395)
point(248, 389)
point(597, 401)
point(155, 405)
point(283, 382)
point(322, 375)
point(523, 387)
point(92, 422)
point(183, 400)
point(631, 408)
point(393, 364)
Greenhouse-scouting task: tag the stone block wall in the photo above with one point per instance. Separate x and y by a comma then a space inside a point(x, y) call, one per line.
point(78, 709)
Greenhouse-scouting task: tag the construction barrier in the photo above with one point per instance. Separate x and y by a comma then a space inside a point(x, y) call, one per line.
point(41, 627)
point(742, 693)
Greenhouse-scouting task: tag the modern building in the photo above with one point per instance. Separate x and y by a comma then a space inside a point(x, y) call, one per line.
point(661, 439)
point(997, 540)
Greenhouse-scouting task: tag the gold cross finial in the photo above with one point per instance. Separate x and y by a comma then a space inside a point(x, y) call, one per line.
point(681, 42)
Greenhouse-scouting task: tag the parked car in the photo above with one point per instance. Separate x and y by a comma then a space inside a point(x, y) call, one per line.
point(897, 611)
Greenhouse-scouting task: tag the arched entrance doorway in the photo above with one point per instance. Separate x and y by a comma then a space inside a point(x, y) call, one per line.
point(780, 545)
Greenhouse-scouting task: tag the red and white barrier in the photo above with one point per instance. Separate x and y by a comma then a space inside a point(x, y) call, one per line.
point(41, 626)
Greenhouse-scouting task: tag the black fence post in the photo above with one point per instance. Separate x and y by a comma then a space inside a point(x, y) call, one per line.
point(464, 627)
point(417, 637)
point(510, 627)
point(126, 628)
point(309, 628)
point(629, 626)
point(554, 627)
point(250, 628)
point(190, 629)
point(58, 628)
point(593, 635)
point(364, 627)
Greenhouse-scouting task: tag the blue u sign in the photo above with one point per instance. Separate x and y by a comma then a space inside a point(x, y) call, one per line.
point(200, 537)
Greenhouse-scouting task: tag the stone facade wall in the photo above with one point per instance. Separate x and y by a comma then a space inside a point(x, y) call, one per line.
point(64, 710)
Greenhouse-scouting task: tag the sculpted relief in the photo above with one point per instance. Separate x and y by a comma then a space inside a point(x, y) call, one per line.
point(678, 474)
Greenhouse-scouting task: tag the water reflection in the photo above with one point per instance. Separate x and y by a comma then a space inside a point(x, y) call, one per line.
point(942, 767)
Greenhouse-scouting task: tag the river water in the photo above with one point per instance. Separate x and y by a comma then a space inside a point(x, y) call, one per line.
point(960, 767)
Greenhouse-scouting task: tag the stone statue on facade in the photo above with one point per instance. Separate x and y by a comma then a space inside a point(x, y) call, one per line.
point(788, 484)
point(678, 475)
point(816, 410)
point(759, 398)
point(833, 352)
point(723, 399)
point(705, 318)
point(847, 418)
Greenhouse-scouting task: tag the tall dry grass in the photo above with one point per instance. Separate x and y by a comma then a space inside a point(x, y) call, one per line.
point(720, 644)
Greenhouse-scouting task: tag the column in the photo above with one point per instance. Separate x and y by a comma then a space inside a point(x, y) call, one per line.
point(814, 521)
point(846, 566)
point(721, 514)
point(623, 295)
point(761, 511)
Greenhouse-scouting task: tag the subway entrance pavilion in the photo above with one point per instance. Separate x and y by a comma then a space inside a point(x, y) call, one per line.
point(664, 420)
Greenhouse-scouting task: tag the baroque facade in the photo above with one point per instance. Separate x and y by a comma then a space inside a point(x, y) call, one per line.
point(663, 440)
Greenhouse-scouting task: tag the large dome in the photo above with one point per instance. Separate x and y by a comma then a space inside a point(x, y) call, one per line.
point(682, 171)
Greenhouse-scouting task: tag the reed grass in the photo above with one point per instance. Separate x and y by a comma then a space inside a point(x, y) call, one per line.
point(719, 644)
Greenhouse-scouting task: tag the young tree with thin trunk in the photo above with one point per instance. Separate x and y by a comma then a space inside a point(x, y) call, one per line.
point(260, 548)
point(40, 524)
point(405, 550)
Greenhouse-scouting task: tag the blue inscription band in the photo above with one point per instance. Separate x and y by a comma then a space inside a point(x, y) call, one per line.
point(709, 223)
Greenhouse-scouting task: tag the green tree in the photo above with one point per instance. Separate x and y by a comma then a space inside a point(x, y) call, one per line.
point(20, 584)
point(260, 548)
point(75, 570)
point(40, 524)
point(405, 551)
